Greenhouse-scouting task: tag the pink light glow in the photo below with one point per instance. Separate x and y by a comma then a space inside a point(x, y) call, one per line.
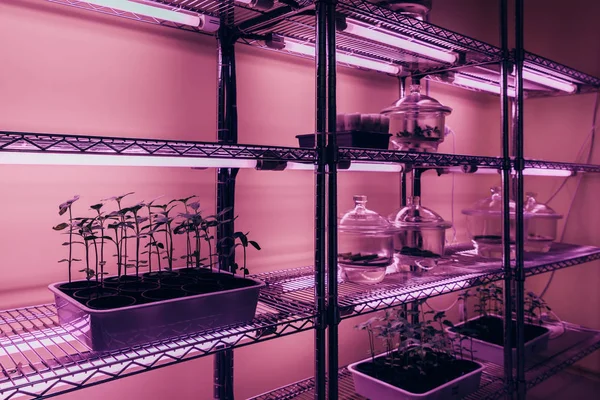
point(149, 11)
point(371, 32)
point(549, 81)
point(546, 172)
point(309, 50)
point(464, 80)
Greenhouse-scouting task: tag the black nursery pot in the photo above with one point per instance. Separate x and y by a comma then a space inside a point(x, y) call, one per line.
point(72, 287)
point(196, 272)
point(158, 275)
point(110, 302)
point(134, 288)
point(116, 281)
point(93, 293)
point(163, 294)
point(176, 281)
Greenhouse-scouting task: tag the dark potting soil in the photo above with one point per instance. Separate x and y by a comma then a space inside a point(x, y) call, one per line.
point(202, 288)
point(410, 379)
point(92, 293)
point(176, 281)
point(490, 329)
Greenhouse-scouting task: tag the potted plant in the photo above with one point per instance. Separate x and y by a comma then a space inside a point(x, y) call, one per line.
point(485, 331)
point(420, 361)
point(143, 305)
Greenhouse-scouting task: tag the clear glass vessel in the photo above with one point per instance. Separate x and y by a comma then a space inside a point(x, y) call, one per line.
point(485, 224)
point(420, 236)
point(542, 226)
point(365, 244)
point(417, 122)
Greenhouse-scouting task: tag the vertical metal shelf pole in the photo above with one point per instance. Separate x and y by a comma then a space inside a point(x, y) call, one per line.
point(519, 161)
point(320, 199)
point(506, 183)
point(332, 158)
point(227, 133)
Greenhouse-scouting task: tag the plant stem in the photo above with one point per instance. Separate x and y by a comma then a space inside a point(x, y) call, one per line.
point(70, 240)
point(96, 258)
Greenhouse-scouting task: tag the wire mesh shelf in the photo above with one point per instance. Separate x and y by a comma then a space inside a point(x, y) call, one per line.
point(39, 358)
point(568, 348)
point(425, 159)
point(97, 145)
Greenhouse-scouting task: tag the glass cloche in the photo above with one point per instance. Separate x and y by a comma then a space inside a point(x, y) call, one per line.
point(365, 244)
point(420, 235)
point(417, 122)
point(485, 224)
point(542, 226)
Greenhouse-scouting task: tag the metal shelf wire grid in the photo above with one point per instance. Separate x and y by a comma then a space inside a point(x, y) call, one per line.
point(433, 159)
point(562, 352)
point(69, 144)
point(230, 11)
point(39, 358)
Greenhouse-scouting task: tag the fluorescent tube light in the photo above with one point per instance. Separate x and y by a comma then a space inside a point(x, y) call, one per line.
point(373, 33)
point(549, 81)
point(204, 22)
point(41, 158)
point(474, 83)
point(374, 167)
point(546, 172)
point(309, 50)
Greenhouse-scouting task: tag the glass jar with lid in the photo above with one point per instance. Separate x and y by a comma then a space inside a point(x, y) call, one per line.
point(542, 226)
point(420, 235)
point(417, 122)
point(485, 224)
point(365, 247)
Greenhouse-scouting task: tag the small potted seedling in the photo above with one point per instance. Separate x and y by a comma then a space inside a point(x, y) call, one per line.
point(485, 331)
point(420, 360)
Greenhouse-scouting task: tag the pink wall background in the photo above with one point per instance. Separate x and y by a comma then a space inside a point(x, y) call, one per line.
point(70, 71)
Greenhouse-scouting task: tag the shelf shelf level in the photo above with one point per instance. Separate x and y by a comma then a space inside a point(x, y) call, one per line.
point(39, 358)
point(568, 348)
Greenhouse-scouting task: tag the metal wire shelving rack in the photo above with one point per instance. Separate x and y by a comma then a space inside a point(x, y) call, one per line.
point(36, 359)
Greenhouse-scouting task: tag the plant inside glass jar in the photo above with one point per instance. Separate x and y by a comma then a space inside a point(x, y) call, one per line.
point(362, 259)
point(428, 132)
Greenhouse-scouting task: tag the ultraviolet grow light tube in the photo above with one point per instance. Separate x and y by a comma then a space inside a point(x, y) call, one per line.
point(464, 80)
point(548, 81)
point(309, 50)
point(110, 160)
point(149, 11)
point(526, 171)
point(370, 32)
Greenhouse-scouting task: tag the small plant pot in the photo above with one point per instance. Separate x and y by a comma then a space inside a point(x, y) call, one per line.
point(94, 293)
point(110, 302)
point(132, 288)
point(158, 275)
point(116, 281)
point(457, 388)
point(163, 294)
point(195, 272)
point(176, 281)
point(72, 287)
point(201, 288)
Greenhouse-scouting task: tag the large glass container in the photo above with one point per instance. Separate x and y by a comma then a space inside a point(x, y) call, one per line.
point(365, 244)
point(542, 226)
point(417, 122)
point(485, 224)
point(420, 236)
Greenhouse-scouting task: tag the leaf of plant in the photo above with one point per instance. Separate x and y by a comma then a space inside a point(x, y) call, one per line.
point(60, 227)
point(63, 260)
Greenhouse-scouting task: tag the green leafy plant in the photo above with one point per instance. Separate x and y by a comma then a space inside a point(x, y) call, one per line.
point(535, 307)
point(63, 208)
point(192, 223)
point(163, 223)
point(241, 240)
